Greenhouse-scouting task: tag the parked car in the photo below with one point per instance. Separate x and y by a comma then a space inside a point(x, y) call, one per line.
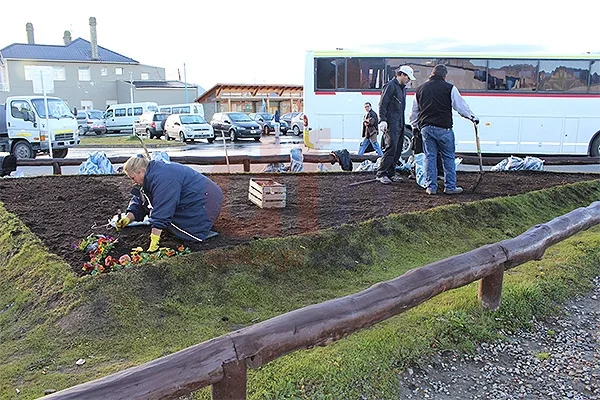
point(90, 121)
point(235, 125)
point(188, 127)
point(267, 123)
point(287, 117)
point(151, 124)
point(297, 124)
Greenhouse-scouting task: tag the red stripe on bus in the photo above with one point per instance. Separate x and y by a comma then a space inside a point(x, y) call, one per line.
point(490, 94)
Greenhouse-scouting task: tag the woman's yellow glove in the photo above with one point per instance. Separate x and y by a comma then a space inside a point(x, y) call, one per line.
point(122, 223)
point(154, 239)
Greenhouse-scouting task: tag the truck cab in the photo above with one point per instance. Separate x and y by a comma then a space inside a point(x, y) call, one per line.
point(29, 123)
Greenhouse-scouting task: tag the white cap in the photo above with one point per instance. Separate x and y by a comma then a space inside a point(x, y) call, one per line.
point(408, 71)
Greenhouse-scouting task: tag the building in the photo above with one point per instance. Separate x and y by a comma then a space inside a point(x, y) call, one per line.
point(84, 74)
point(250, 98)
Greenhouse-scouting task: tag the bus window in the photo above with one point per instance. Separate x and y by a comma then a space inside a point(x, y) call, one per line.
point(466, 74)
point(512, 75)
point(595, 77)
point(341, 74)
point(421, 67)
point(365, 73)
point(563, 76)
point(325, 73)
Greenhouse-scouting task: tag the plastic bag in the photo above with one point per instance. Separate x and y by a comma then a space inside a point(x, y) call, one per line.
point(296, 160)
point(96, 164)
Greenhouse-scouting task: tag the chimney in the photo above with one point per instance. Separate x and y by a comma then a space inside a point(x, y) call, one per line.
point(93, 38)
point(67, 38)
point(29, 28)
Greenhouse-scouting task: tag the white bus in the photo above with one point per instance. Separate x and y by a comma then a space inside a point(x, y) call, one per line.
point(527, 104)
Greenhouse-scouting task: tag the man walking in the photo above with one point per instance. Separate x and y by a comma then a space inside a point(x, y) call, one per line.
point(432, 114)
point(391, 114)
point(369, 131)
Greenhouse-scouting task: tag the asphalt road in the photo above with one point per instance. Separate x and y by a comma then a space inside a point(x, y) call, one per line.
point(268, 145)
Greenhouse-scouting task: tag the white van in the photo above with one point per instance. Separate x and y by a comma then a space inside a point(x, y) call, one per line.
point(121, 117)
point(190, 108)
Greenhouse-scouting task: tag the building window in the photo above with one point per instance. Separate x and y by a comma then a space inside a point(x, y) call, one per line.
point(84, 74)
point(119, 71)
point(59, 73)
point(103, 71)
point(145, 76)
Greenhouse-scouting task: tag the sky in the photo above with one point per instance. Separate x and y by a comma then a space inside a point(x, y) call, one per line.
point(265, 41)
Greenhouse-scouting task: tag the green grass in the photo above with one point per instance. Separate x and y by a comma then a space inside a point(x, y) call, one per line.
point(125, 141)
point(49, 319)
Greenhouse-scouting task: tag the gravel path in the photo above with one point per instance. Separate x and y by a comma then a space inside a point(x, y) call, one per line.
point(558, 359)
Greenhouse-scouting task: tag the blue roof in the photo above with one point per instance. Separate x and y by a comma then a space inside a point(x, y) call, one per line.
point(78, 50)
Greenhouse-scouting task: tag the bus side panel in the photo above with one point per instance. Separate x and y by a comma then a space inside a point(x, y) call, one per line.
point(497, 134)
point(541, 135)
point(569, 144)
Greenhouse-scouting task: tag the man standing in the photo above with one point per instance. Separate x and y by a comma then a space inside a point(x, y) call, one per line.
point(277, 123)
point(369, 131)
point(432, 114)
point(391, 114)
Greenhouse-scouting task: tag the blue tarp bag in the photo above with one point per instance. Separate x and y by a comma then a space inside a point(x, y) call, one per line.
point(96, 164)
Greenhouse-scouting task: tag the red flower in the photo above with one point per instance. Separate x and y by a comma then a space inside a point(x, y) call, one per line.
point(136, 259)
point(124, 259)
point(181, 248)
point(109, 261)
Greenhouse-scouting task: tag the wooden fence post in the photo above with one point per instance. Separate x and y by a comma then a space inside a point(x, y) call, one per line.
point(56, 168)
point(233, 384)
point(490, 289)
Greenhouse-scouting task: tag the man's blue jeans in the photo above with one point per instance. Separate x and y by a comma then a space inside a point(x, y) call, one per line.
point(439, 139)
point(365, 143)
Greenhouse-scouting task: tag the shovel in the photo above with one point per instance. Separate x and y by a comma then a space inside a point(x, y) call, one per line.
point(480, 176)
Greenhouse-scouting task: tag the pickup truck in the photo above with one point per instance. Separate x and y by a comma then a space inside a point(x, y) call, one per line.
point(28, 125)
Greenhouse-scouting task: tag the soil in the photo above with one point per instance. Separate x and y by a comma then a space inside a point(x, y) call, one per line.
point(62, 210)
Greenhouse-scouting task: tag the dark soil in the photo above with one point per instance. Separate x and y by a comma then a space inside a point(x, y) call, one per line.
point(62, 210)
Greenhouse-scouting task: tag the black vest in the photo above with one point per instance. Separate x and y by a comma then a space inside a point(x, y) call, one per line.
point(434, 98)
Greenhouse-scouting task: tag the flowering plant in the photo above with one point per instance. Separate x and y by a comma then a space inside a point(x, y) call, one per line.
point(99, 246)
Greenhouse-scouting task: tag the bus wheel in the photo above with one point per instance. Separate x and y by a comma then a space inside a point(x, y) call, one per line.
point(60, 153)
point(407, 144)
point(22, 149)
point(595, 149)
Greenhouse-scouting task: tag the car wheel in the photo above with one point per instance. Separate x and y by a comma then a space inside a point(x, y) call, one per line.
point(182, 137)
point(265, 130)
point(296, 130)
point(80, 131)
point(257, 139)
point(210, 140)
point(149, 133)
point(22, 149)
point(232, 136)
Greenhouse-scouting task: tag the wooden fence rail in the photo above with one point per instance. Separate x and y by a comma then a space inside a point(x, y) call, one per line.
point(246, 160)
point(222, 362)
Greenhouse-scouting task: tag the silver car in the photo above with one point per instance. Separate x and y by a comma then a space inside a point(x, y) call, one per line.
point(188, 127)
point(90, 121)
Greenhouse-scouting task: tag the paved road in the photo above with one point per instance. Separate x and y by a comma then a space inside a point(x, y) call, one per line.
point(268, 145)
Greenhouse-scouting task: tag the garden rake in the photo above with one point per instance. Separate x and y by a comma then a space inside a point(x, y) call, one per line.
point(480, 176)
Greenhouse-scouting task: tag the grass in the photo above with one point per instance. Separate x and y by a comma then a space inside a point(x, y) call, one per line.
point(50, 319)
point(124, 141)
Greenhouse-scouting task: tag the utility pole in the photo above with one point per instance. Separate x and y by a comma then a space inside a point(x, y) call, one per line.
point(130, 86)
point(185, 83)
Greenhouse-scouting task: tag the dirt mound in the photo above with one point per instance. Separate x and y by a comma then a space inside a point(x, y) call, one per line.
point(62, 210)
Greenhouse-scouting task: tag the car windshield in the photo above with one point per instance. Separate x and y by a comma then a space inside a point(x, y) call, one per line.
point(56, 108)
point(160, 117)
point(240, 117)
point(192, 119)
point(266, 116)
point(95, 115)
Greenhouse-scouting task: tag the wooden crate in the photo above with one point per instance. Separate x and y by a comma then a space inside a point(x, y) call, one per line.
point(266, 193)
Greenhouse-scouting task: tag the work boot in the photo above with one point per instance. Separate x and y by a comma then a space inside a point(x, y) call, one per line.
point(396, 178)
point(384, 179)
point(431, 191)
point(456, 190)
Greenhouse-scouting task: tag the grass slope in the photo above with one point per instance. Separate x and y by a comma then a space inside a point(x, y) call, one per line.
point(49, 319)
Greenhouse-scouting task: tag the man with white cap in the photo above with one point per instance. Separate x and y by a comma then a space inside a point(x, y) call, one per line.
point(391, 114)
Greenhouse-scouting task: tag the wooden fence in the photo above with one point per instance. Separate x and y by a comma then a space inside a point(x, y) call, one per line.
point(223, 361)
point(245, 160)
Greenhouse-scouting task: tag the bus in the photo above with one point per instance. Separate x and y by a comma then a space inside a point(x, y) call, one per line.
point(527, 104)
point(189, 108)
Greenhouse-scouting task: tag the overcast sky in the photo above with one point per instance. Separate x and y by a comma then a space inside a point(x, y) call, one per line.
point(244, 41)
